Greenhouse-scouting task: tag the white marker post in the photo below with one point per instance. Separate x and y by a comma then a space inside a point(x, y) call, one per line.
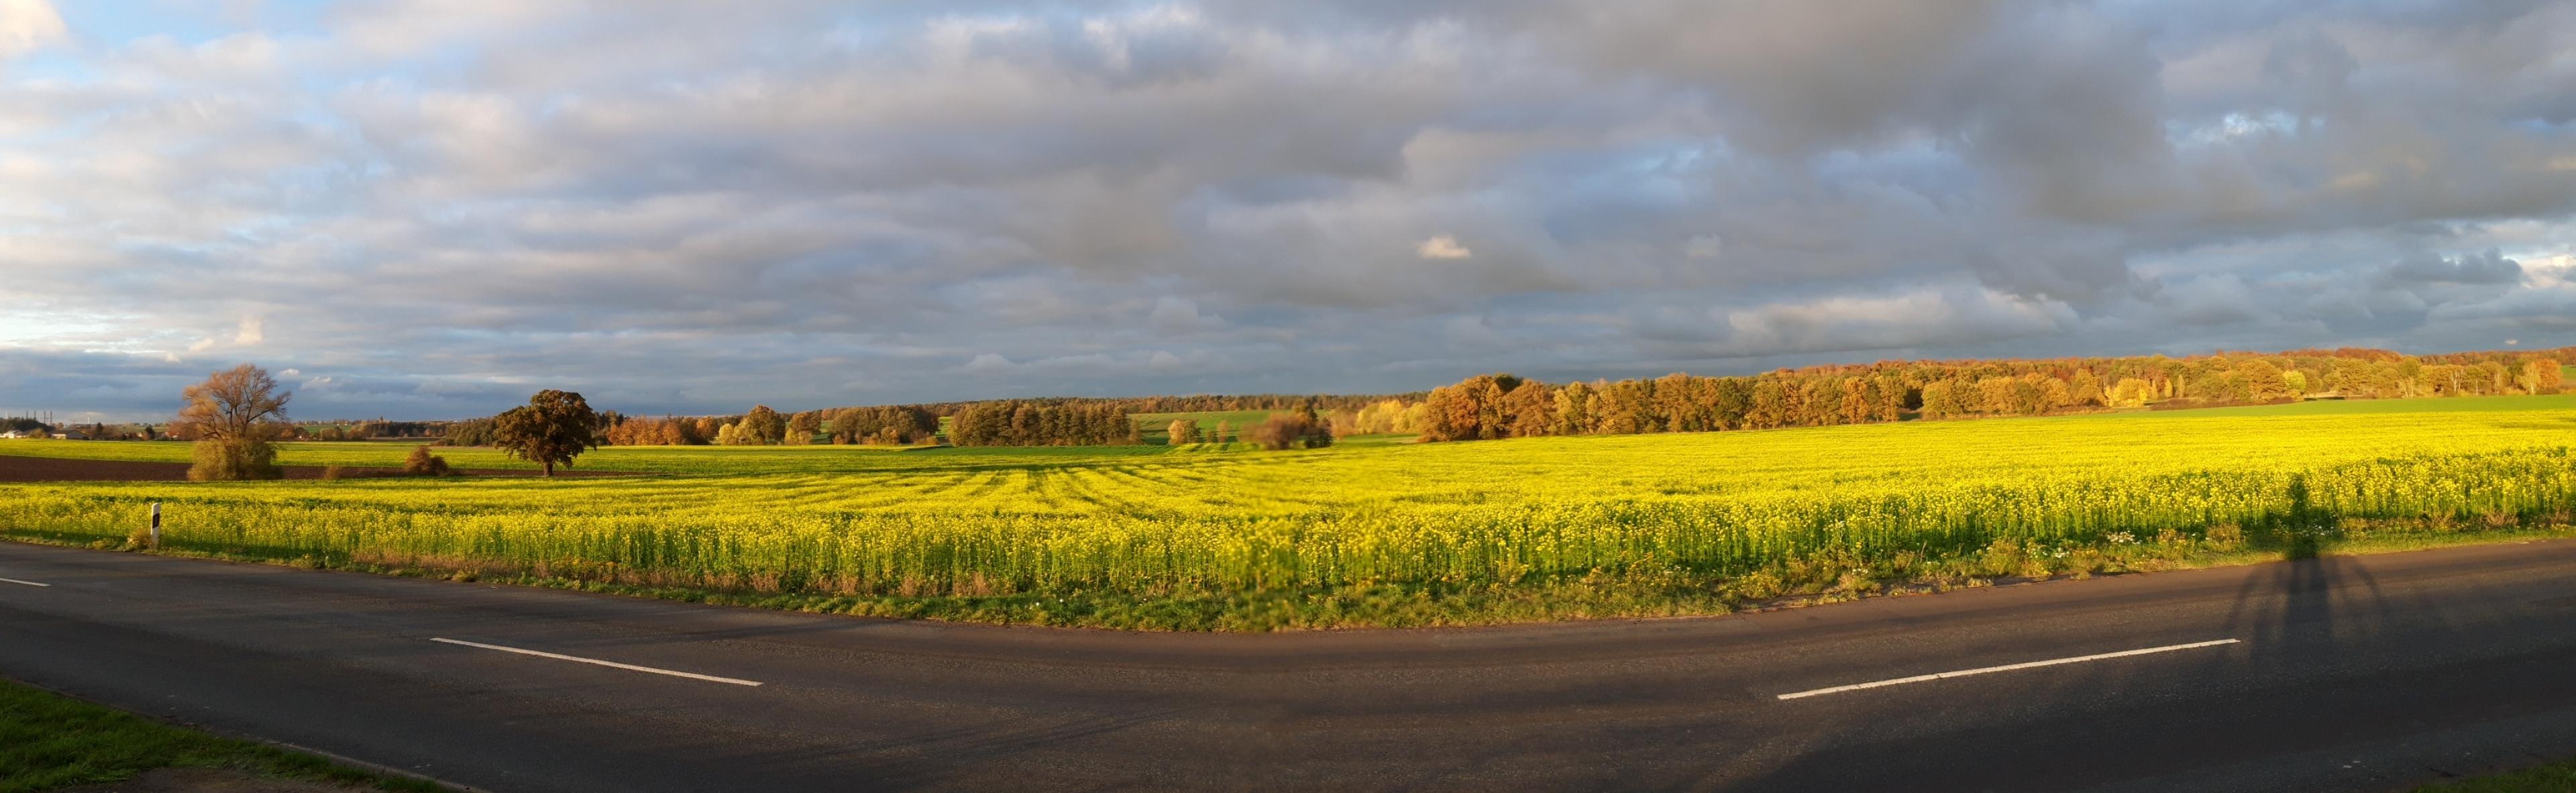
point(156, 525)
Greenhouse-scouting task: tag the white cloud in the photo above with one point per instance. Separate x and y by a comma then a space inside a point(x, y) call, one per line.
point(253, 331)
point(1921, 318)
point(26, 25)
point(1442, 247)
point(989, 362)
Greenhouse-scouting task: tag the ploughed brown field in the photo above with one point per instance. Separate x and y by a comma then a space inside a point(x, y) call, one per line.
point(47, 469)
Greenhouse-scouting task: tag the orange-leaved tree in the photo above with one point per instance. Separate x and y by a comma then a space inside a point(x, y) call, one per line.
point(233, 415)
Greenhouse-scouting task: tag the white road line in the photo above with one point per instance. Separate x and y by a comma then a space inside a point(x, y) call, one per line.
point(29, 583)
point(2006, 668)
point(628, 667)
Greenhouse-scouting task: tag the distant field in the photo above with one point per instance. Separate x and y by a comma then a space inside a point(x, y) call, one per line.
point(708, 460)
point(1157, 427)
point(2347, 407)
point(826, 458)
point(1375, 532)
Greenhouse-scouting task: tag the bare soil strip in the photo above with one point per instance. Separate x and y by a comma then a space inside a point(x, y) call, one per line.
point(49, 469)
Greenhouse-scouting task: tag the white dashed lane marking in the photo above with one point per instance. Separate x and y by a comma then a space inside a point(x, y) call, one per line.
point(2006, 668)
point(611, 664)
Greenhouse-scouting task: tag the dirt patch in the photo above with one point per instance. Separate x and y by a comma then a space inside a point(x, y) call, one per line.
point(48, 469)
point(205, 780)
point(45, 469)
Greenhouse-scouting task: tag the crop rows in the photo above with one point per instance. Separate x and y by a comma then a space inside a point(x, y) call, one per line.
point(1706, 507)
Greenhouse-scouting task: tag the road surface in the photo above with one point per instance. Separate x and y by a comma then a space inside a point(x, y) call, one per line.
point(2349, 673)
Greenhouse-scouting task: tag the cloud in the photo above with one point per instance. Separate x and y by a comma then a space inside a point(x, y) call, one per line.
point(2476, 268)
point(690, 208)
point(1176, 315)
point(26, 25)
point(1442, 247)
point(1930, 317)
point(989, 362)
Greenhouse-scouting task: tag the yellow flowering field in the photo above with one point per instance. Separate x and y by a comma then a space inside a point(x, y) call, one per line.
point(1407, 533)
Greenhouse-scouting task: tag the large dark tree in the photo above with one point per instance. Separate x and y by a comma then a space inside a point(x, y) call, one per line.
point(552, 429)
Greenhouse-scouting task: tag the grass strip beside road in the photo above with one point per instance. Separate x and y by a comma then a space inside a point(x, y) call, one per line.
point(49, 741)
point(2552, 778)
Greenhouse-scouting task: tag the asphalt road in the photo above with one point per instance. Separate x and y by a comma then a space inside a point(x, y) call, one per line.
point(2355, 673)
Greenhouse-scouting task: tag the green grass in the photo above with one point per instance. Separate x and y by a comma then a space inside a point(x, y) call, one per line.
point(2552, 778)
point(2355, 407)
point(49, 741)
point(1157, 427)
point(1381, 439)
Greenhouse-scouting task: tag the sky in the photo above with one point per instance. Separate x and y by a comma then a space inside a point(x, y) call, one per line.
point(432, 208)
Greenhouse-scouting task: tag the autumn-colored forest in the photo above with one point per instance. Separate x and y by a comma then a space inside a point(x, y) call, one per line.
point(1504, 406)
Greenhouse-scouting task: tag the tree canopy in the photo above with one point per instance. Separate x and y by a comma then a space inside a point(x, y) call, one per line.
point(1503, 406)
point(552, 429)
point(233, 415)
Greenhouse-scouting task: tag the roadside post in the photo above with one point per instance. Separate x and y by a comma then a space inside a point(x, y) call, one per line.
point(156, 525)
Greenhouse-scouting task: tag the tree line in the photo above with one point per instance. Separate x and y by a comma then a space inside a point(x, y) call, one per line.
point(1504, 406)
point(1482, 407)
point(235, 417)
point(892, 425)
point(1193, 403)
point(1039, 423)
point(366, 430)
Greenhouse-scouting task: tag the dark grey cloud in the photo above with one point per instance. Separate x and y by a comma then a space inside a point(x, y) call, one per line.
point(2488, 268)
point(430, 208)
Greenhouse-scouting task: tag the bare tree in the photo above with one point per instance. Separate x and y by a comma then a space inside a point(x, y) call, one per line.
point(233, 415)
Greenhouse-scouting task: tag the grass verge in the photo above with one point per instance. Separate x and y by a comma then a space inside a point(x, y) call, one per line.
point(2552, 778)
point(50, 741)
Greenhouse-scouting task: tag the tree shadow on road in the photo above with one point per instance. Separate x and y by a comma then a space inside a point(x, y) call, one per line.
point(2138, 719)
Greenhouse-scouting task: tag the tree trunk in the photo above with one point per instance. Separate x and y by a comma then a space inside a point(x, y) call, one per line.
point(550, 469)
